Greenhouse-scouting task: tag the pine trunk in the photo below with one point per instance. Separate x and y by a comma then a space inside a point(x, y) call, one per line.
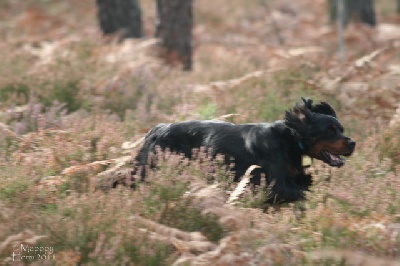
point(174, 28)
point(398, 6)
point(120, 16)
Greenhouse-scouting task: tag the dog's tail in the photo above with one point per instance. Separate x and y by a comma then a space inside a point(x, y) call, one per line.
point(155, 130)
point(149, 146)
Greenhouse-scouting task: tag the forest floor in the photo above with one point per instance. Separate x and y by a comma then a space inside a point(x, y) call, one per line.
point(74, 106)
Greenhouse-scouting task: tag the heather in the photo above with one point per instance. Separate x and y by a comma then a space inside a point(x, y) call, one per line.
point(74, 106)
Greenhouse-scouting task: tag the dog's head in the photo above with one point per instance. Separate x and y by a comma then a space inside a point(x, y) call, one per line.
point(319, 132)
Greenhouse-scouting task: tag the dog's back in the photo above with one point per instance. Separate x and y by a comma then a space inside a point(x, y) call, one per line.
point(237, 142)
point(180, 137)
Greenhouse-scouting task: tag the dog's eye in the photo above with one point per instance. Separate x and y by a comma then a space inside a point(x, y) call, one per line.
point(331, 130)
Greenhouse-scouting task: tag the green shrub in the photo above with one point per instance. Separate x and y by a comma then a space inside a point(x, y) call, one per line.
point(177, 211)
point(12, 189)
point(184, 216)
point(64, 92)
point(207, 111)
point(96, 228)
point(16, 93)
point(390, 144)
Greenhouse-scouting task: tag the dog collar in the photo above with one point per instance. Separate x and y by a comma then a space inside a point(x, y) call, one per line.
point(305, 160)
point(301, 145)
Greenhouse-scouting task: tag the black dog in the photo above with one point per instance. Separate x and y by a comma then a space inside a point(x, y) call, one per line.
point(277, 147)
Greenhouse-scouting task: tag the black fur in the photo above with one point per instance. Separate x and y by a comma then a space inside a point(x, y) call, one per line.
point(277, 147)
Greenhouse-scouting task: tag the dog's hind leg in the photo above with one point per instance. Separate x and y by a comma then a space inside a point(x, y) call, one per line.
point(143, 158)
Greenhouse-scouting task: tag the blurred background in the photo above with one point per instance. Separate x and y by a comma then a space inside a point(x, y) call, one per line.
point(82, 81)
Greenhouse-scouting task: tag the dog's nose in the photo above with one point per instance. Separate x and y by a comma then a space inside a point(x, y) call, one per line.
point(351, 143)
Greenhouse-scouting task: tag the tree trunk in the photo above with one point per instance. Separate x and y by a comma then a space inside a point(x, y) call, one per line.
point(174, 28)
point(398, 6)
point(364, 10)
point(120, 16)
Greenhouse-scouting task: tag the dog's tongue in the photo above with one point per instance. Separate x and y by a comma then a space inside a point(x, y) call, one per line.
point(336, 160)
point(333, 160)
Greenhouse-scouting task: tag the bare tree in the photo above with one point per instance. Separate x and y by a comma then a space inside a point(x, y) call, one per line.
point(363, 10)
point(398, 6)
point(174, 28)
point(120, 16)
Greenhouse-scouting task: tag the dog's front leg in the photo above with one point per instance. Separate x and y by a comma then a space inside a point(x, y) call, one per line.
point(283, 187)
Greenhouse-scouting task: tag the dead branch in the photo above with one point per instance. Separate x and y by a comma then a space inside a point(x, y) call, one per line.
point(240, 188)
point(86, 168)
point(128, 145)
point(168, 231)
point(106, 179)
point(228, 84)
point(226, 253)
point(224, 117)
point(362, 62)
point(27, 237)
point(6, 129)
point(352, 258)
point(396, 118)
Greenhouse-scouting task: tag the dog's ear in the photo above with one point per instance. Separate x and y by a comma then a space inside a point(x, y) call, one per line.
point(300, 114)
point(304, 111)
point(308, 108)
point(324, 108)
point(307, 103)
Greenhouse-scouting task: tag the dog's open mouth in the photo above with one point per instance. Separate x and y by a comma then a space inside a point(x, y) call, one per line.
point(332, 159)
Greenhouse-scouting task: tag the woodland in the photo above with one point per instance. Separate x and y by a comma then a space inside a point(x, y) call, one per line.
point(75, 105)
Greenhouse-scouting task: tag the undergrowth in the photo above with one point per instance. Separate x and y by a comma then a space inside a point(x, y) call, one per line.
point(71, 100)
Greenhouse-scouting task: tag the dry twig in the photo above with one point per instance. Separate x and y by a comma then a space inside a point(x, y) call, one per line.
point(228, 84)
point(6, 129)
point(240, 188)
point(185, 242)
point(353, 258)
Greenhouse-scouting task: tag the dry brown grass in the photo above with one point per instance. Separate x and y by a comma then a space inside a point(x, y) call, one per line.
point(74, 107)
